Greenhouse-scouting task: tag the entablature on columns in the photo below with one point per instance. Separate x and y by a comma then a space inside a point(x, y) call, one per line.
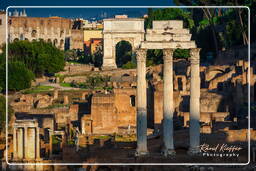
point(168, 37)
point(168, 45)
point(25, 123)
point(172, 31)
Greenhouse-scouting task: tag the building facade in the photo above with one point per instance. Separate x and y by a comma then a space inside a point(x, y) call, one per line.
point(77, 37)
point(2, 28)
point(56, 30)
point(93, 40)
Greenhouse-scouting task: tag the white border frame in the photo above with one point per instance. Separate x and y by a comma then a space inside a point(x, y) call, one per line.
point(122, 164)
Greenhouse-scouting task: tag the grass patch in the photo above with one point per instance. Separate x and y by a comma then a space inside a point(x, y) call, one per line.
point(65, 84)
point(125, 138)
point(101, 137)
point(56, 106)
point(37, 89)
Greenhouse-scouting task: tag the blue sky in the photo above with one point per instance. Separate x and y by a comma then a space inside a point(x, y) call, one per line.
point(85, 13)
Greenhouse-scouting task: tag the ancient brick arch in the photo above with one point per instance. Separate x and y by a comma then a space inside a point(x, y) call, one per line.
point(116, 30)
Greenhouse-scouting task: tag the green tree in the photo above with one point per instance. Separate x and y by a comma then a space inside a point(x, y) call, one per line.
point(38, 56)
point(19, 77)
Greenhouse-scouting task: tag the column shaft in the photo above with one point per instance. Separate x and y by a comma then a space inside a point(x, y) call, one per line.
point(25, 143)
point(37, 143)
point(50, 143)
point(168, 108)
point(20, 143)
point(14, 143)
point(141, 103)
point(194, 123)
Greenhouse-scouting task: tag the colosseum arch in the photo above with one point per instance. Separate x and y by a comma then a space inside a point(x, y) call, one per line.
point(116, 30)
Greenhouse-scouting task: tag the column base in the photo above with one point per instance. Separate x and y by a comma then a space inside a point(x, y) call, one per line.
point(141, 153)
point(168, 153)
point(109, 67)
point(195, 151)
point(38, 159)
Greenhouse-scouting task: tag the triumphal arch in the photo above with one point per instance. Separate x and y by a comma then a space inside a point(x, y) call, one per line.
point(116, 30)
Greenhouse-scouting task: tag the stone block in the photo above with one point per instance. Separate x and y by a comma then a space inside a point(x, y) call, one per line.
point(178, 24)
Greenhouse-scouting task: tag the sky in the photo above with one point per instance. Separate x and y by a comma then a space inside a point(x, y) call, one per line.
point(84, 12)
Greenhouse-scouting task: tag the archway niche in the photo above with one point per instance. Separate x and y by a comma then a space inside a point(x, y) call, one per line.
point(33, 33)
point(55, 42)
point(62, 44)
point(16, 39)
point(123, 53)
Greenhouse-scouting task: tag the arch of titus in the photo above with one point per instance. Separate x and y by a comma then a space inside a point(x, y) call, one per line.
point(116, 30)
point(167, 35)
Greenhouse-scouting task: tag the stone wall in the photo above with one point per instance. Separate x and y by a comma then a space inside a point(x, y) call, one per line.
point(158, 103)
point(125, 102)
point(112, 112)
point(77, 37)
point(103, 114)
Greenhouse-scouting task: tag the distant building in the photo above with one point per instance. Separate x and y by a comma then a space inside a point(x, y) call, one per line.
point(56, 30)
point(86, 24)
point(121, 16)
point(2, 28)
point(77, 37)
point(93, 40)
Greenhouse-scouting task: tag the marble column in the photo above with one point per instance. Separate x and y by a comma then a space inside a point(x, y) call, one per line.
point(168, 108)
point(141, 103)
point(25, 143)
point(252, 82)
point(194, 122)
point(65, 102)
point(37, 143)
point(20, 143)
point(50, 144)
point(14, 143)
point(55, 94)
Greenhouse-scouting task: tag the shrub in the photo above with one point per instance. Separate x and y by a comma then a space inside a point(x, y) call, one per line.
point(129, 65)
point(3, 113)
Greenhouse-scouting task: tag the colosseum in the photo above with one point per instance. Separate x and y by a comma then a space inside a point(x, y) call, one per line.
point(56, 30)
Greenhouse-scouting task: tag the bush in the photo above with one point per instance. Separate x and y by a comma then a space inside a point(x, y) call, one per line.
point(3, 113)
point(129, 65)
point(181, 53)
point(19, 76)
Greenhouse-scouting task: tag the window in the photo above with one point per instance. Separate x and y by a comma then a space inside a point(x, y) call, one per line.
point(132, 100)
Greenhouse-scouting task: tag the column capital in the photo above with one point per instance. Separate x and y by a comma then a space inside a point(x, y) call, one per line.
point(195, 55)
point(168, 54)
point(141, 55)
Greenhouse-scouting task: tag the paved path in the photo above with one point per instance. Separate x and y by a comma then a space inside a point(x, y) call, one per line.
point(58, 86)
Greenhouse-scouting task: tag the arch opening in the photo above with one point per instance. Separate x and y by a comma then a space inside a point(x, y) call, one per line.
point(55, 42)
point(123, 53)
